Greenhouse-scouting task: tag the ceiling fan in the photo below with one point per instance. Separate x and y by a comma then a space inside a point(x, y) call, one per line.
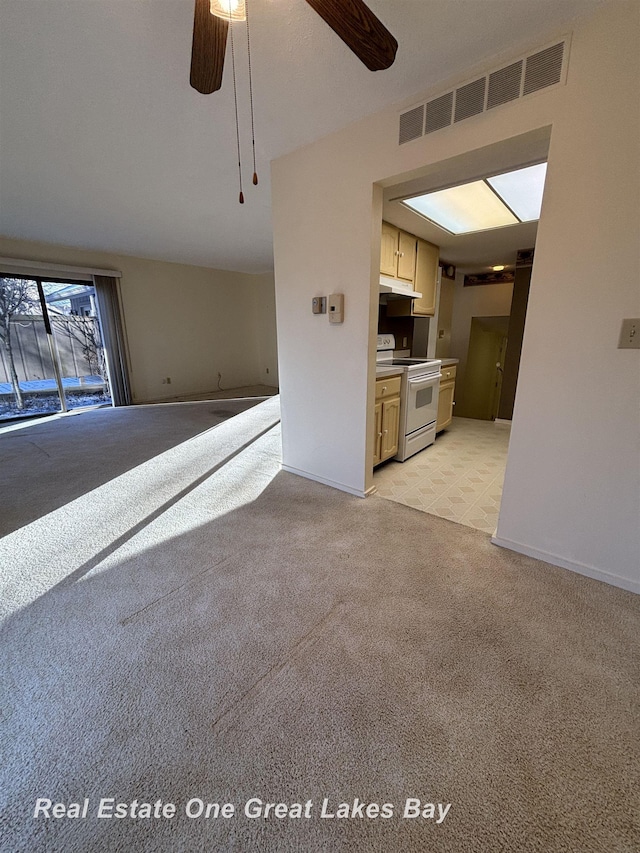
point(352, 20)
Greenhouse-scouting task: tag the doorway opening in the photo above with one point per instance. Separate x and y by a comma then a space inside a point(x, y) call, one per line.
point(488, 337)
point(477, 333)
point(52, 353)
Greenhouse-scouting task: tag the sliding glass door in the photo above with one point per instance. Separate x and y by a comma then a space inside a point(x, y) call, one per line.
point(52, 355)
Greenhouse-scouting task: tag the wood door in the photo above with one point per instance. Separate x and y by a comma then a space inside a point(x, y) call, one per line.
point(377, 442)
point(389, 250)
point(426, 279)
point(445, 404)
point(390, 427)
point(406, 256)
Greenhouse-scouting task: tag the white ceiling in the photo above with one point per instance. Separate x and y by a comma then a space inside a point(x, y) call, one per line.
point(104, 145)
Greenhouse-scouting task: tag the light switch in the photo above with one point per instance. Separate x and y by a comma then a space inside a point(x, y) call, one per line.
point(630, 334)
point(319, 305)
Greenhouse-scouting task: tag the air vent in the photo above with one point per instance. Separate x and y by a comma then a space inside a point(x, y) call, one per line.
point(543, 69)
point(504, 85)
point(470, 99)
point(525, 76)
point(439, 113)
point(411, 124)
point(524, 258)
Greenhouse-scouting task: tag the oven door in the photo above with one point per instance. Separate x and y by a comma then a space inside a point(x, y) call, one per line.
point(422, 401)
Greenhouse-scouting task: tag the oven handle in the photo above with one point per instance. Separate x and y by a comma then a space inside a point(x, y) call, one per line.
point(420, 382)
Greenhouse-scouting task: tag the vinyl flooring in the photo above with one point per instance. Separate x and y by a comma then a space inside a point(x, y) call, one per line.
point(459, 477)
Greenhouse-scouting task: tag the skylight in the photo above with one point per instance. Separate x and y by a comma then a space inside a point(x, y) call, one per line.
point(494, 202)
point(522, 190)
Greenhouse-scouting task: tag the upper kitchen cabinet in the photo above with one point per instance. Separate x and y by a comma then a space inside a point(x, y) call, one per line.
point(425, 282)
point(397, 253)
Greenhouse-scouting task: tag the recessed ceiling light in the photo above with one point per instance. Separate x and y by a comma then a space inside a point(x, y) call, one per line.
point(498, 268)
point(495, 202)
point(522, 190)
point(464, 209)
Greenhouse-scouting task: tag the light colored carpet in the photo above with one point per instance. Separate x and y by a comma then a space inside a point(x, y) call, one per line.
point(46, 464)
point(199, 629)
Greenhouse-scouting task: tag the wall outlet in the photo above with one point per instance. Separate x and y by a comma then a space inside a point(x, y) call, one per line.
point(630, 334)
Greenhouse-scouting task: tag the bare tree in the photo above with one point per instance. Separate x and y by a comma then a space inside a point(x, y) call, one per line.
point(86, 331)
point(16, 297)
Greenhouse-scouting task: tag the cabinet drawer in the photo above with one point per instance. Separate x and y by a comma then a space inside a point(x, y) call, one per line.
point(388, 386)
point(448, 372)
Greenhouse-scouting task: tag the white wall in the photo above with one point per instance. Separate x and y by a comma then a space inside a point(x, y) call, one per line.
point(572, 485)
point(264, 327)
point(183, 322)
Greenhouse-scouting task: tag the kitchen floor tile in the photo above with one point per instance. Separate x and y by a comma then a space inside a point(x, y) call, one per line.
point(459, 477)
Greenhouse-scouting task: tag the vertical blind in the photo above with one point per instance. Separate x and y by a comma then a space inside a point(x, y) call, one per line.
point(114, 339)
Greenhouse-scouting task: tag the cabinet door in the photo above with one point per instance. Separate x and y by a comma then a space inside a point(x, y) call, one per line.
point(445, 405)
point(426, 279)
point(406, 256)
point(389, 250)
point(377, 435)
point(390, 427)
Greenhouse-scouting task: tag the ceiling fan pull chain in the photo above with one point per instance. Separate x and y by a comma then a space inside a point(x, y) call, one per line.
point(235, 99)
point(253, 132)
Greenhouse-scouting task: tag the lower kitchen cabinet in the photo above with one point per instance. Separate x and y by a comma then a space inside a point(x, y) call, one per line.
point(445, 398)
point(387, 419)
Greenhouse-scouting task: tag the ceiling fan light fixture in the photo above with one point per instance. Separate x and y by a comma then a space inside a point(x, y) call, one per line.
point(229, 10)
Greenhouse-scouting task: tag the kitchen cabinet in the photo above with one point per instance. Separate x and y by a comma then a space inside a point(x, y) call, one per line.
point(425, 282)
point(387, 418)
point(445, 398)
point(397, 253)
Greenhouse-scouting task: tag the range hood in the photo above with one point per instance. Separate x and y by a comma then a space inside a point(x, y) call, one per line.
point(395, 287)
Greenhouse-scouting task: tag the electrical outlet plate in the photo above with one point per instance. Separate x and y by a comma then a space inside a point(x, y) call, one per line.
point(630, 334)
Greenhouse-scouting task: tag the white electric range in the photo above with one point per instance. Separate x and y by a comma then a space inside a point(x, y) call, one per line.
point(420, 384)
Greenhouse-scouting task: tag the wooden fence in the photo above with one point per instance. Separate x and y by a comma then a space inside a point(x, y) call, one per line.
point(78, 344)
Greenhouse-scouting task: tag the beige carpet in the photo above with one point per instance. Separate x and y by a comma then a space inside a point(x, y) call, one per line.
point(201, 629)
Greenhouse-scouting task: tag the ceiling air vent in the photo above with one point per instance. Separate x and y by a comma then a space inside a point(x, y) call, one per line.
point(411, 124)
point(524, 76)
point(470, 99)
point(439, 113)
point(543, 69)
point(504, 85)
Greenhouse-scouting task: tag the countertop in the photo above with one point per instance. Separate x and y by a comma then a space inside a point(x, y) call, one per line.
point(387, 371)
point(394, 371)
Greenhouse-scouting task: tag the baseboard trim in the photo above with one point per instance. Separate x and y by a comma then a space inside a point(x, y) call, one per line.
point(165, 402)
point(571, 565)
point(325, 482)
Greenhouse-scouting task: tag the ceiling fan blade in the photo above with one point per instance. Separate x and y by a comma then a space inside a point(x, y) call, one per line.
point(360, 30)
point(209, 45)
